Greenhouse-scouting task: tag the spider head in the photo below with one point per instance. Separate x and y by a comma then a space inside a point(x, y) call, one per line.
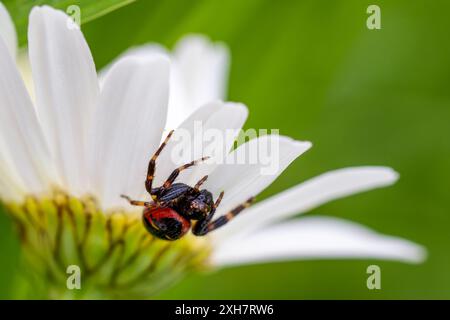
point(198, 206)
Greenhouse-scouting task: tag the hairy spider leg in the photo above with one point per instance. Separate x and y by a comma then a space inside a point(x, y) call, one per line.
point(152, 166)
point(177, 171)
point(138, 203)
point(200, 182)
point(219, 222)
point(219, 199)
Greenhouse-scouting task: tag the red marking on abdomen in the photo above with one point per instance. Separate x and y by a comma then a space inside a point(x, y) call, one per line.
point(161, 213)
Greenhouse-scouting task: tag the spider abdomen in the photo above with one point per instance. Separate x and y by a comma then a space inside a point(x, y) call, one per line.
point(165, 223)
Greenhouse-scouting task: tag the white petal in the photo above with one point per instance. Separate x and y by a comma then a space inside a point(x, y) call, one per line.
point(316, 238)
point(24, 155)
point(209, 131)
point(199, 76)
point(8, 31)
point(252, 167)
point(23, 64)
point(8, 194)
point(66, 91)
point(127, 126)
point(310, 194)
point(204, 68)
point(144, 52)
point(12, 187)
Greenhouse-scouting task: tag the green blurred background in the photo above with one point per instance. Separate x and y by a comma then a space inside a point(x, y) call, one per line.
point(363, 97)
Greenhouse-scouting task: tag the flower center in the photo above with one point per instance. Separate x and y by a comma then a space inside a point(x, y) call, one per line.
point(116, 256)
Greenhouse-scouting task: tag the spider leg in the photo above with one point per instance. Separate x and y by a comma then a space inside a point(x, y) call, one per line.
point(219, 199)
point(199, 183)
point(205, 226)
point(177, 171)
point(152, 166)
point(138, 203)
point(230, 215)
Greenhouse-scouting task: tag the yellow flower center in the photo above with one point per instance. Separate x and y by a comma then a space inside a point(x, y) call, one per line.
point(116, 256)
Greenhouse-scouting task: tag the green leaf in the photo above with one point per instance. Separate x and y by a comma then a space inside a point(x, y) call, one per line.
point(89, 10)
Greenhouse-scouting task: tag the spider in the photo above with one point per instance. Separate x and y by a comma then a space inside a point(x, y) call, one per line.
point(175, 205)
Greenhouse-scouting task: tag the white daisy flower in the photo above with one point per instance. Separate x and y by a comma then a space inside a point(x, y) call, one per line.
point(68, 156)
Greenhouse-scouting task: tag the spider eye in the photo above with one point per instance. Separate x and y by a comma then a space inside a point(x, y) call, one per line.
point(198, 205)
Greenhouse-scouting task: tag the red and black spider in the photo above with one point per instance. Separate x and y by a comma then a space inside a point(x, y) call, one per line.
point(176, 204)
